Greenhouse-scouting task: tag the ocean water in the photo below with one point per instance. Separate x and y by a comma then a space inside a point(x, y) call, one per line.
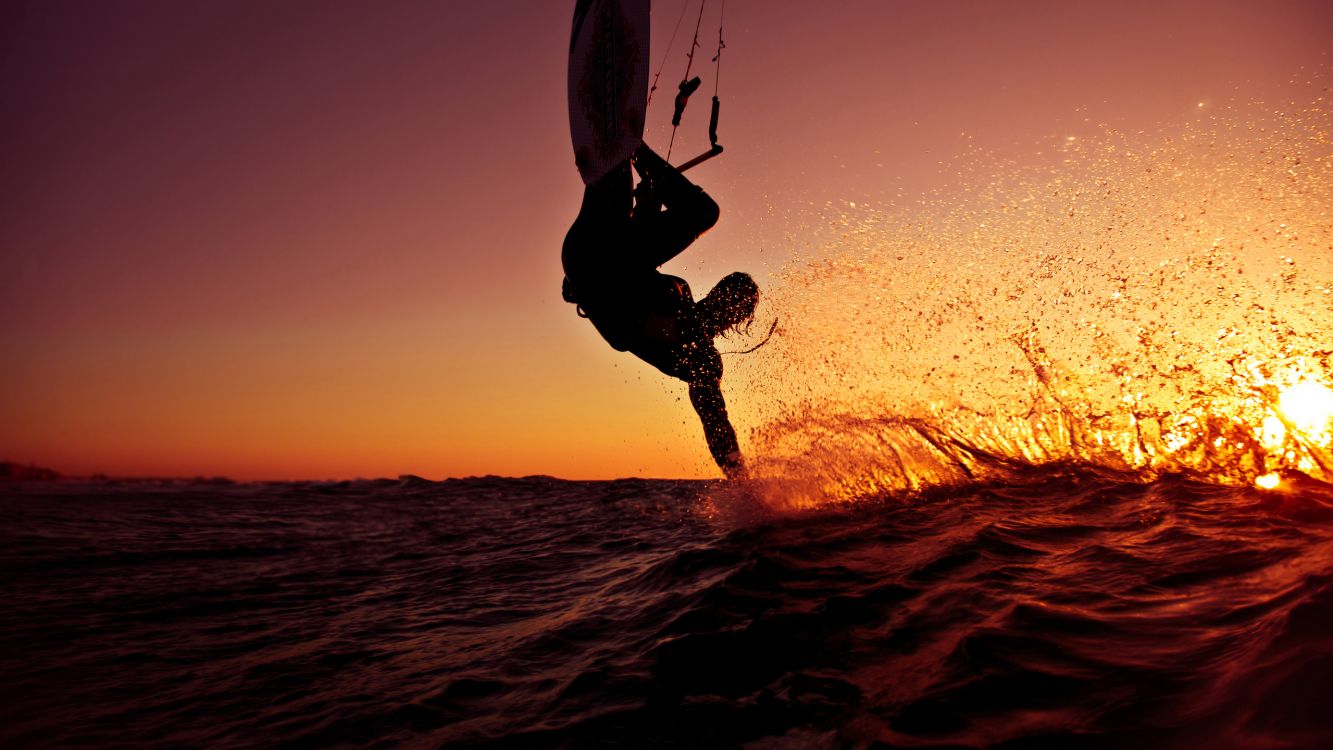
point(1041, 460)
point(1067, 606)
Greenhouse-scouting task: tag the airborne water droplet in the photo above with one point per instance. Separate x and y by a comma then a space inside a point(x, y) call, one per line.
point(1091, 312)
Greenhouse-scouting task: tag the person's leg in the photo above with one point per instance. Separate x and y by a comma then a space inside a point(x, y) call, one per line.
point(611, 197)
point(689, 211)
point(600, 227)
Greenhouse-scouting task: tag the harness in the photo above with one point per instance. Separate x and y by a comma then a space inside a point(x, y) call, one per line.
point(664, 302)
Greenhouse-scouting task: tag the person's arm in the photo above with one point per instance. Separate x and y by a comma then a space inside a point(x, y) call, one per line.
point(664, 234)
point(707, 400)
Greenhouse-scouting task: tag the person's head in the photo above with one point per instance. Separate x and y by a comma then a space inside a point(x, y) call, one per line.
point(736, 295)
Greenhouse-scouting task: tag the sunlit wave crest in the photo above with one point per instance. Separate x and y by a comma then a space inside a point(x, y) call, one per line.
point(1146, 302)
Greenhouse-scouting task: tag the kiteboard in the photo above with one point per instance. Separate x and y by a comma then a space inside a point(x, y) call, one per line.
point(608, 83)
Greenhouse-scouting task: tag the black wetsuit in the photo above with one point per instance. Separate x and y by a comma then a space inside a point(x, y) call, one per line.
point(611, 255)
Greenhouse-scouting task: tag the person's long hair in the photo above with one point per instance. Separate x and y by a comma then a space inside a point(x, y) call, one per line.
point(740, 296)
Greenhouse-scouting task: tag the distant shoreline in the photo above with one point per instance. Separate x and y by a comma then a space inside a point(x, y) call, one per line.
point(16, 472)
point(13, 472)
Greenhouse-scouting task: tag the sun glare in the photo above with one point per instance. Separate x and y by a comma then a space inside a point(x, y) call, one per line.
point(1308, 407)
point(1267, 481)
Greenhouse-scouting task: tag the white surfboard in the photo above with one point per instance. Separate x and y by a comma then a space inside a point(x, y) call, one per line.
point(608, 83)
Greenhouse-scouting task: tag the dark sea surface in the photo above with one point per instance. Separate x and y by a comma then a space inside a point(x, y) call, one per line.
point(1063, 608)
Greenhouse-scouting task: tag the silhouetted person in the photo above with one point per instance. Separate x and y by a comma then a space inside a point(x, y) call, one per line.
point(611, 255)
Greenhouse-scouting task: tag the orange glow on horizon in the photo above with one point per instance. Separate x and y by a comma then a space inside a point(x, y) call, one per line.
point(272, 244)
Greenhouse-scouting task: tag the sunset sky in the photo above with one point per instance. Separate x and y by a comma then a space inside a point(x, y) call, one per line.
point(285, 240)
